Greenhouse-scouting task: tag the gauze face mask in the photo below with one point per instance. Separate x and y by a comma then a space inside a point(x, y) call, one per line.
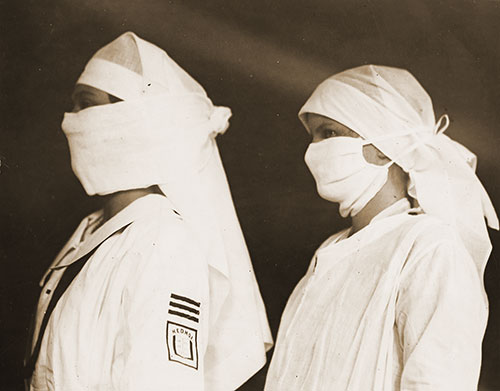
point(343, 175)
point(136, 144)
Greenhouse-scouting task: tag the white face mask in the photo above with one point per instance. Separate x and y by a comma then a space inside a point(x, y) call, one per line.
point(136, 144)
point(343, 175)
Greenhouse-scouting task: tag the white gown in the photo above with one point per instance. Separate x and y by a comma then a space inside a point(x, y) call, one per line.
point(398, 305)
point(140, 315)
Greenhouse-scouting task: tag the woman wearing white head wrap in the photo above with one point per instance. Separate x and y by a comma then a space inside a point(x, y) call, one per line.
point(396, 302)
point(166, 297)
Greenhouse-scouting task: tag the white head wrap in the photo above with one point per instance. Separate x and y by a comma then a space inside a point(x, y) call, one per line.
point(390, 108)
point(164, 133)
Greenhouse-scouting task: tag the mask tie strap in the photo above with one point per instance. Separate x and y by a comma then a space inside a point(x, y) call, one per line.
point(439, 129)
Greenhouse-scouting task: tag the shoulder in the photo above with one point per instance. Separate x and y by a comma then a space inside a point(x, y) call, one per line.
point(424, 242)
point(437, 249)
point(422, 233)
point(430, 230)
point(158, 220)
point(161, 254)
point(160, 232)
point(438, 264)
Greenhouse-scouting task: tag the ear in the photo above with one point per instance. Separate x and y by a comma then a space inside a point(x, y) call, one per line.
point(380, 155)
point(374, 156)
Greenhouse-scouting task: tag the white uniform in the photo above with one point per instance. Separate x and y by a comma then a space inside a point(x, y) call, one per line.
point(396, 306)
point(165, 303)
point(136, 317)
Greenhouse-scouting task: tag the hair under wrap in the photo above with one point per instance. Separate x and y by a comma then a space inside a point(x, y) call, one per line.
point(164, 133)
point(389, 107)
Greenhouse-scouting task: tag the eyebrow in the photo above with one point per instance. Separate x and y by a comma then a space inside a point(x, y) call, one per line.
point(81, 93)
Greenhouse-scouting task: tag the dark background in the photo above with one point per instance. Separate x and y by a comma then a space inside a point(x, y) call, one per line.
point(262, 59)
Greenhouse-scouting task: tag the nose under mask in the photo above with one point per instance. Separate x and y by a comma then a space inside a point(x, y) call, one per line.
point(342, 173)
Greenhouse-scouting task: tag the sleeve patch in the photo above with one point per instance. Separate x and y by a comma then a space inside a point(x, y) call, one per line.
point(184, 307)
point(182, 344)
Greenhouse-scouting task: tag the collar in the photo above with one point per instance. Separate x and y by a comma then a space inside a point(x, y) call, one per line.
point(123, 218)
point(401, 206)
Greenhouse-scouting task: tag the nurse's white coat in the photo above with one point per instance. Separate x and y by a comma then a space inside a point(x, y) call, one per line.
point(397, 306)
point(114, 328)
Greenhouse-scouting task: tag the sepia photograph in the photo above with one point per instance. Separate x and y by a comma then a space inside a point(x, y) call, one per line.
point(250, 195)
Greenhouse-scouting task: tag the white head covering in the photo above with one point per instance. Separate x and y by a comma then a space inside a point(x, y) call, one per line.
point(390, 108)
point(164, 133)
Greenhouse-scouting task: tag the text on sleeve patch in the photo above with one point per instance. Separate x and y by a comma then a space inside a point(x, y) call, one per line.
point(182, 344)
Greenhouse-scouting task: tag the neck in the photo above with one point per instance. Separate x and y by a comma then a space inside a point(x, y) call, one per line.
point(118, 201)
point(393, 190)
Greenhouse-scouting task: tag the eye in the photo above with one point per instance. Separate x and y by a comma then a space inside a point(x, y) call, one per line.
point(84, 103)
point(323, 133)
point(328, 133)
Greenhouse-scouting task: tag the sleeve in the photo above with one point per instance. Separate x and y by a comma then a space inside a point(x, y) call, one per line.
point(441, 315)
point(163, 331)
